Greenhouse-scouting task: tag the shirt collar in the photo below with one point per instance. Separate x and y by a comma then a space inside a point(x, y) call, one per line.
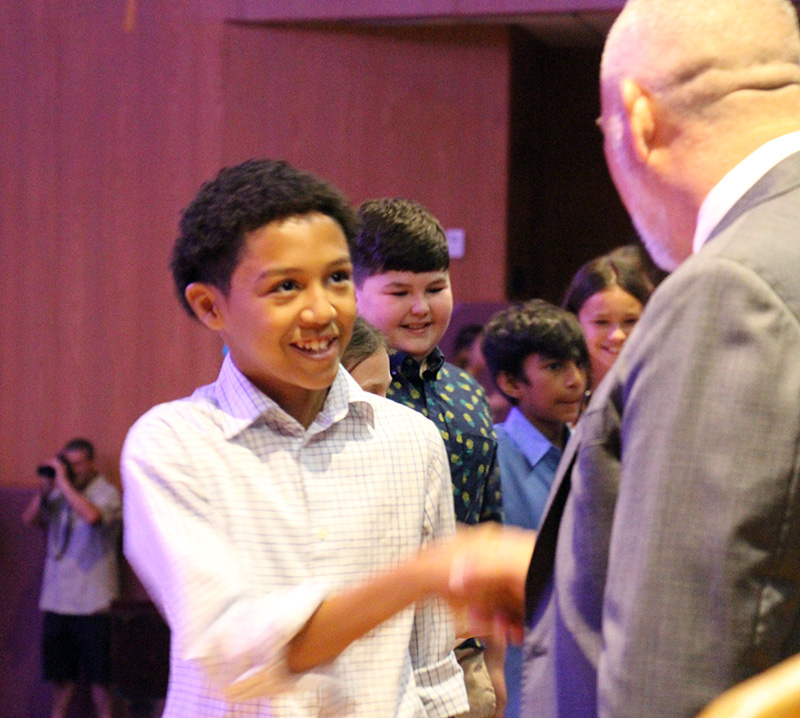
point(408, 367)
point(243, 404)
point(527, 438)
point(732, 187)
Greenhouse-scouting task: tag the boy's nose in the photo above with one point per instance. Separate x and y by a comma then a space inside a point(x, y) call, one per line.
point(420, 306)
point(573, 375)
point(319, 309)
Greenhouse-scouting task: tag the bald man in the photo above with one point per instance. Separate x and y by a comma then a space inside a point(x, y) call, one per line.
point(667, 566)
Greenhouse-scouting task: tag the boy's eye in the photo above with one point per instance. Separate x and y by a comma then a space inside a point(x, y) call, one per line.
point(435, 290)
point(554, 365)
point(287, 285)
point(340, 275)
point(399, 293)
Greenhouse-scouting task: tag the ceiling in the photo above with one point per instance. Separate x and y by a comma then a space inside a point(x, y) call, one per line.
point(585, 26)
point(561, 29)
point(587, 29)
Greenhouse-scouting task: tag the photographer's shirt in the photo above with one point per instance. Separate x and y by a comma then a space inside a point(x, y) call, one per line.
point(81, 573)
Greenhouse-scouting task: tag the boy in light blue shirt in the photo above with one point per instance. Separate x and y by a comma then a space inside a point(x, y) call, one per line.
point(537, 356)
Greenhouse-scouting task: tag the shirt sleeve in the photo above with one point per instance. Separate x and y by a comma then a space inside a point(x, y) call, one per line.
point(175, 542)
point(108, 501)
point(438, 677)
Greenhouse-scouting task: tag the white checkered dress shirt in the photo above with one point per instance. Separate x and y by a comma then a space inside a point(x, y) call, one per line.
point(239, 522)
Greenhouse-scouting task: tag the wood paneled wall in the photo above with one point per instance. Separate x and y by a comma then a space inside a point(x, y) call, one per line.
point(107, 132)
point(414, 112)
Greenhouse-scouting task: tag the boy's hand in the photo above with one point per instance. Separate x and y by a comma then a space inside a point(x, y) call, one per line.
point(486, 568)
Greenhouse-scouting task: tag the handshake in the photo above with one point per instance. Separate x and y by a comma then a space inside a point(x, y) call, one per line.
point(481, 573)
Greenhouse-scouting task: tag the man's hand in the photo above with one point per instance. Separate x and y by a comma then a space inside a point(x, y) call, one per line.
point(486, 567)
point(34, 514)
point(62, 473)
point(46, 484)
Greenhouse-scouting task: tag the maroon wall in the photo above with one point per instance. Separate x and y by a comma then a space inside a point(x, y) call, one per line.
point(413, 112)
point(106, 135)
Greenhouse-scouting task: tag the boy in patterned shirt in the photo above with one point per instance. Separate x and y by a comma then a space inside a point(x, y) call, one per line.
point(401, 263)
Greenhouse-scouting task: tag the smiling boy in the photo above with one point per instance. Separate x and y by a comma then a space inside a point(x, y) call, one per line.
point(401, 265)
point(270, 514)
point(401, 268)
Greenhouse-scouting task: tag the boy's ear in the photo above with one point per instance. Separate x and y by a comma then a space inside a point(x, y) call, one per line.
point(204, 301)
point(508, 384)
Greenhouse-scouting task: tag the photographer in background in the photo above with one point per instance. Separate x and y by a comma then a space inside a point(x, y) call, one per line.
point(81, 512)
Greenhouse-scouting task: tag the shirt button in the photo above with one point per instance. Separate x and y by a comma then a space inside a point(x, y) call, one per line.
point(322, 534)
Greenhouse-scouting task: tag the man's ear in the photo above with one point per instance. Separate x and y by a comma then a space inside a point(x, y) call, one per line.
point(204, 301)
point(641, 117)
point(508, 384)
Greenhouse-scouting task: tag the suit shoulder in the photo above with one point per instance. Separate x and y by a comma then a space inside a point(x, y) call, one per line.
point(762, 238)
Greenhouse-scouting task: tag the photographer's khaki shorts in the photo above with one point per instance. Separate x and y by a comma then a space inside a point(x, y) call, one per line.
point(482, 700)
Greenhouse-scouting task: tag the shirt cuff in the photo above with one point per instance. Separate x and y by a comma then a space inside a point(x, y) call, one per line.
point(273, 675)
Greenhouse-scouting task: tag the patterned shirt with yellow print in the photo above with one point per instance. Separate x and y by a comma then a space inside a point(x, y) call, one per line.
point(456, 403)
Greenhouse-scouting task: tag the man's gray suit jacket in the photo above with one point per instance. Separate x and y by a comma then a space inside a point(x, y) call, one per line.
point(676, 508)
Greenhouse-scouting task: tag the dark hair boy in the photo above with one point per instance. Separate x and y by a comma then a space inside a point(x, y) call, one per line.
point(537, 356)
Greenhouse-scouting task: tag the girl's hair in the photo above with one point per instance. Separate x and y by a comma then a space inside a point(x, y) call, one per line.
point(603, 273)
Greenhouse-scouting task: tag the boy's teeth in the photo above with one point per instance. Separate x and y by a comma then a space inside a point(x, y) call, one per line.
point(315, 345)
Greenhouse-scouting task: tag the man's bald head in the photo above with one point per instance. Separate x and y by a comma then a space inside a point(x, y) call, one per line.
point(701, 52)
point(690, 88)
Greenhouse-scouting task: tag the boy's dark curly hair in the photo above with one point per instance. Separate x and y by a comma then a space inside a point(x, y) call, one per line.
point(237, 201)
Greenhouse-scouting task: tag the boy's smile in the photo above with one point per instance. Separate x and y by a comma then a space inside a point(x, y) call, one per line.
point(549, 394)
point(289, 312)
point(412, 308)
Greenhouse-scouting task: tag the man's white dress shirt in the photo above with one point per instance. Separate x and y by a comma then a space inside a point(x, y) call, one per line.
point(732, 187)
point(240, 522)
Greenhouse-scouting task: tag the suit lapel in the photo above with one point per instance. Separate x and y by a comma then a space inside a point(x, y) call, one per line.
point(544, 551)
